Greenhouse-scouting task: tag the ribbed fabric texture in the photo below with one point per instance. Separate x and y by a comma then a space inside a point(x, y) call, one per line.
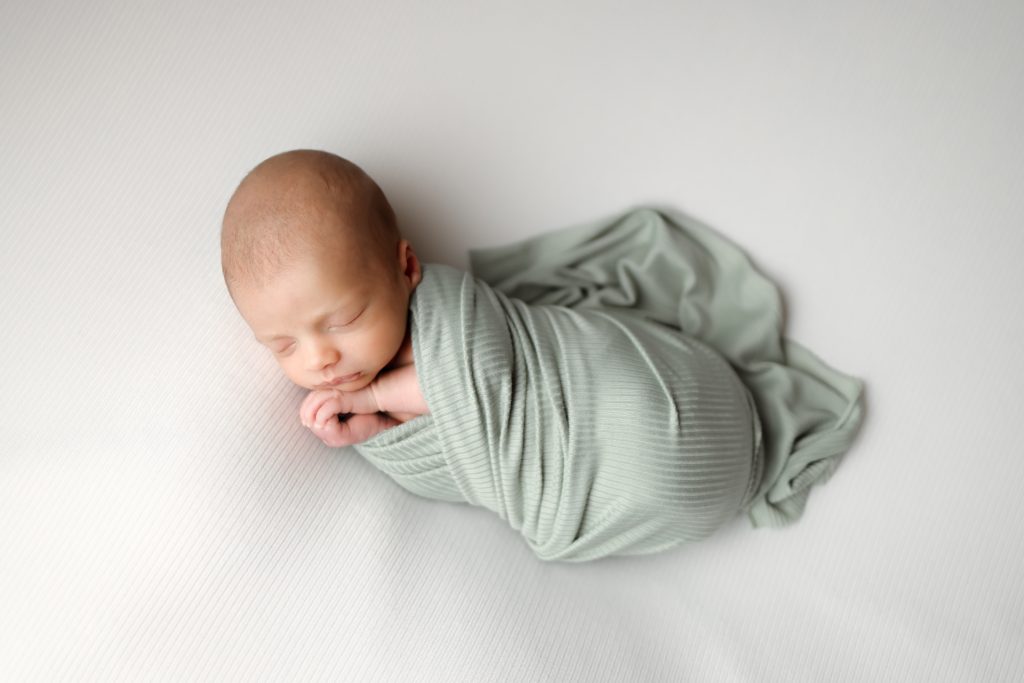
point(592, 432)
point(677, 271)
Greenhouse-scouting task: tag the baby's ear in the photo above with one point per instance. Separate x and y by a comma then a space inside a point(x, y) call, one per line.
point(410, 263)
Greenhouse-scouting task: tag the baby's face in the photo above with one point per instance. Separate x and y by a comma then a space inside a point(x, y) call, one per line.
point(330, 324)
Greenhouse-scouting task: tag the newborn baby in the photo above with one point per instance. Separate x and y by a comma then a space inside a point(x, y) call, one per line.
point(316, 266)
point(613, 388)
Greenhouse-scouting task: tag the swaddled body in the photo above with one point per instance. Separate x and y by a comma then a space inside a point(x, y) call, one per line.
point(591, 431)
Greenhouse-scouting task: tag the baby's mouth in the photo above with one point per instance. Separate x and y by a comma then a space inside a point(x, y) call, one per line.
point(340, 380)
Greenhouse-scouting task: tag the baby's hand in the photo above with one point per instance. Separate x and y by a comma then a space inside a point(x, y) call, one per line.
point(344, 430)
point(360, 419)
point(323, 404)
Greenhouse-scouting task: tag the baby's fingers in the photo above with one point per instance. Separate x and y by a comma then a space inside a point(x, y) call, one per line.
point(326, 412)
point(308, 408)
point(338, 432)
point(315, 402)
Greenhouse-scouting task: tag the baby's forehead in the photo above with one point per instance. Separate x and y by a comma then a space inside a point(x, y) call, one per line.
point(340, 268)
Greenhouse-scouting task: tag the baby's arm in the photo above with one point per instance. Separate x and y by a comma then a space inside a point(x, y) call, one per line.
point(397, 393)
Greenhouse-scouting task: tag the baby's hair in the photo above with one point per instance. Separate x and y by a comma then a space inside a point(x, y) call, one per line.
point(299, 204)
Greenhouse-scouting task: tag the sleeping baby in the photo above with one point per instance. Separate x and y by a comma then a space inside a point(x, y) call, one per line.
point(314, 263)
point(614, 388)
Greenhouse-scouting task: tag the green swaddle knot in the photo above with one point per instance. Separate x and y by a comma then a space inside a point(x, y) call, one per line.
point(615, 388)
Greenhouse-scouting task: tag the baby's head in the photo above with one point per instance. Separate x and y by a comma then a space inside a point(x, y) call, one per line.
point(316, 266)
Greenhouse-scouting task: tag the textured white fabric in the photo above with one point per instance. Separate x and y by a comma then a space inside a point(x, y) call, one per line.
point(163, 514)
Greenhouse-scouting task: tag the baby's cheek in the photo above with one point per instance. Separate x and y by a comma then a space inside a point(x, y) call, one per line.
point(295, 376)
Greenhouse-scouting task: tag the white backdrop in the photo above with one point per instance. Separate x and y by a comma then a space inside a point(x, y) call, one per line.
point(163, 514)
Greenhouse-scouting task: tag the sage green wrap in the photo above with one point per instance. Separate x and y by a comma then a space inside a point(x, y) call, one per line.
point(615, 388)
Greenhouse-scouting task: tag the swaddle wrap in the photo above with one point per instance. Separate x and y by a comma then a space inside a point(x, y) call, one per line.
point(615, 388)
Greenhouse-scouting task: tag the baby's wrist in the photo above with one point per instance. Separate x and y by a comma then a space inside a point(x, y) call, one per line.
point(397, 391)
point(373, 388)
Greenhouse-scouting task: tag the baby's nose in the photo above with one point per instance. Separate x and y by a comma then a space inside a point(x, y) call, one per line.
point(322, 356)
